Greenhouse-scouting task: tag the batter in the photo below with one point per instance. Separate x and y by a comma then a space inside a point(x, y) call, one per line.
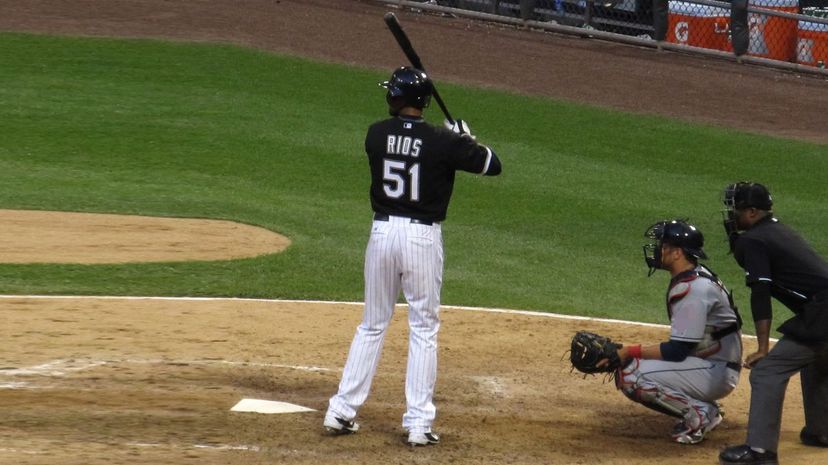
point(413, 166)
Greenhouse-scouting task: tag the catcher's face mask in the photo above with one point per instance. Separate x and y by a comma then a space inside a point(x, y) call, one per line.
point(678, 234)
point(652, 249)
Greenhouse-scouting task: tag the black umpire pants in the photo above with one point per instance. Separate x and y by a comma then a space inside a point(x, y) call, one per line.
point(769, 380)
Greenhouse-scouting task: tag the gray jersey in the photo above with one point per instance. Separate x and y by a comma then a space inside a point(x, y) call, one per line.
point(699, 307)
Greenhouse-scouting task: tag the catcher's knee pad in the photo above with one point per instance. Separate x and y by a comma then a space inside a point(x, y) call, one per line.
point(626, 378)
point(652, 396)
point(628, 381)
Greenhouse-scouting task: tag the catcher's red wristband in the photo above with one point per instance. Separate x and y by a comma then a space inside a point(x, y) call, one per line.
point(634, 351)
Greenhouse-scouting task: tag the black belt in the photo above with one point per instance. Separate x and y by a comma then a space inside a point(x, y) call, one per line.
point(716, 335)
point(734, 366)
point(384, 217)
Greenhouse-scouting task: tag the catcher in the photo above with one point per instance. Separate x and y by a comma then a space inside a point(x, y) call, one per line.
point(685, 376)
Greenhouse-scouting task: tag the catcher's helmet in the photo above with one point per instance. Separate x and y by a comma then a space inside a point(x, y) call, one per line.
point(678, 233)
point(408, 87)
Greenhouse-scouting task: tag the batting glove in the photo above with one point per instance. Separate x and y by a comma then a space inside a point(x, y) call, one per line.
point(459, 127)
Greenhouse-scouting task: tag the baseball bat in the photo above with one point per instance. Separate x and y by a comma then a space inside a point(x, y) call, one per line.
point(408, 49)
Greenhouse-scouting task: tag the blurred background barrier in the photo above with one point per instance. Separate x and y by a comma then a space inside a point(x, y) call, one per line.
point(773, 37)
point(771, 31)
point(699, 25)
point(812, 43)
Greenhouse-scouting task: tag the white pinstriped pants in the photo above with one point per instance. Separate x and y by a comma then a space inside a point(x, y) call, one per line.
point(400, 256)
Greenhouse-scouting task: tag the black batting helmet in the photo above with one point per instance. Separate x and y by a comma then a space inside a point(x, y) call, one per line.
point(408, 87)
point(678, 233)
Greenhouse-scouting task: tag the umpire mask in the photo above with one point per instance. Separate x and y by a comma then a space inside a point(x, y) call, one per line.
point(740, 196)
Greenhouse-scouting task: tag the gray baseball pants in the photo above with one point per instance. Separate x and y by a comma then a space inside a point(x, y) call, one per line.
point(768, 382)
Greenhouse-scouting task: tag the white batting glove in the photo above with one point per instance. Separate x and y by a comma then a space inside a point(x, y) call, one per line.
point(459, 127)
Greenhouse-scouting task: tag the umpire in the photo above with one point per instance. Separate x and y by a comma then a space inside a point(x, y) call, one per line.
point(779, 263)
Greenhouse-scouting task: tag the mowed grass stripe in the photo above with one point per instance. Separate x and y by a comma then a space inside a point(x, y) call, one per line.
point(216, 131)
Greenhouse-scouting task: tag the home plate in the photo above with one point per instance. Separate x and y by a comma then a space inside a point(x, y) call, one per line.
point(268, 406)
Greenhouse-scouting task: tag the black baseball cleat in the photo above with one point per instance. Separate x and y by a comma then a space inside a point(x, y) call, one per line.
point(744, 455)
point(423, 439)
point(810, 439)
point(337, 426)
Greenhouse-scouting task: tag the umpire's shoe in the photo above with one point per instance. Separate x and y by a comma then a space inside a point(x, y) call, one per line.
point(423, 439)
point(744, 455)
point(337, 426)
point(810, 439)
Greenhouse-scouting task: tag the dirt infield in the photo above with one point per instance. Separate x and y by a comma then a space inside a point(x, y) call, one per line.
point(103, 381)
point(151, 381)
point(93, 381)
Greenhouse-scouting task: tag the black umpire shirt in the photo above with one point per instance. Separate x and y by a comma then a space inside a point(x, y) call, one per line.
point(779, 263)
point(413, 165)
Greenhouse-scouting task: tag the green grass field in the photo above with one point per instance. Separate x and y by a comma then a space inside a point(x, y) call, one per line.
point(212, 131)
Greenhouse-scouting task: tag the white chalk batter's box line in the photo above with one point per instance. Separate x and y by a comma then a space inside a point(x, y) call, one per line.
point(61, 367)
point(215, 447)
point(327, 302)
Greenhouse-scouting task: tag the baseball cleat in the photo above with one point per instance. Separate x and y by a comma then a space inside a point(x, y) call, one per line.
point(720, 408)
point(423, 439)
point(685, 435)
point(745, 455)
point(337, 426)
point(811, 439)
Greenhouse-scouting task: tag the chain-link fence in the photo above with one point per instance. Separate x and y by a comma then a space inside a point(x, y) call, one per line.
point(793, 31)
point(773, 29)
point(629, 17)
point(812, 38)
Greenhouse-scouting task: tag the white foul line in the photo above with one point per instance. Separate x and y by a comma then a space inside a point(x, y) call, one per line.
point(53, 368)
point(325, 302)
point(560, 316)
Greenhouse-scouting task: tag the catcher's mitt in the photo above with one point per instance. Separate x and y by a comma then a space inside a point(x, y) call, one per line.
point(589, 348)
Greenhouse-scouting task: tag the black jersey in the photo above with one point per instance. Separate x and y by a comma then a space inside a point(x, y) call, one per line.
point(413, 165)
point(773, 253)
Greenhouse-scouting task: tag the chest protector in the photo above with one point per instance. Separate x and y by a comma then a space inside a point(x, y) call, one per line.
point(680, 287)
